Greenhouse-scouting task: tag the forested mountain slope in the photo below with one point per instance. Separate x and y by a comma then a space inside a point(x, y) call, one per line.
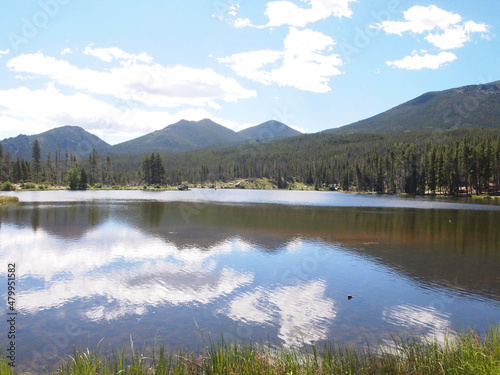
point(474, 106)
point(72, 139)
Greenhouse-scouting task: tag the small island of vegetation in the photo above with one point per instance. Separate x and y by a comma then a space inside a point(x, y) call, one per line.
point(4, 200)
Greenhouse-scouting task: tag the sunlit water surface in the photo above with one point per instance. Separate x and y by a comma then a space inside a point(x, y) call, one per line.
point(95, 268)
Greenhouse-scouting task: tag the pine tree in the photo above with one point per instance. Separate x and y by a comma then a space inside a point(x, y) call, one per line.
point(157, 169)
point(36, 160)
point(95, 166)
point(496, 166)
point(379, 181)
point(485, 171)
point(7, 165)
point(145, 170)
point(26, 171)
point(431, 171)
point(17, 170)
point(83, 179)
point(67, 161)
point(109, 171)
point(411, 175)
point(57, 171)
point(49, 170)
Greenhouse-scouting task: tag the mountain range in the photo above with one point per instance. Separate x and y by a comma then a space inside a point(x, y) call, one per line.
point(179, 137)
point(474, 106)
point(194, 135)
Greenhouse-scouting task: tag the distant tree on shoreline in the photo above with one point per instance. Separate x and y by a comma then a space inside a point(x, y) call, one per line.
point(77, 178)
point(36, 159)
point(152, 170)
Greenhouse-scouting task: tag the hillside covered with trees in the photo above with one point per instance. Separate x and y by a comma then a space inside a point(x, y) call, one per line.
point(450, 162)
point(454, 162)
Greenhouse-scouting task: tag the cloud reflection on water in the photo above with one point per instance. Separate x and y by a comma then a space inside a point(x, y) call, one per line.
point(132, 272)
point(124, 296)
point(421, 320)
point(44, 256)
point(303, 311)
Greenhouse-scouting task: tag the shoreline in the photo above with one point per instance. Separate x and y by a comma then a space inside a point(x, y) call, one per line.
point(467, 352)
point(244, 184)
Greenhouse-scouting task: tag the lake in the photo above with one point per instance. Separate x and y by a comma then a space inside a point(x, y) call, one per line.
point(96, 268)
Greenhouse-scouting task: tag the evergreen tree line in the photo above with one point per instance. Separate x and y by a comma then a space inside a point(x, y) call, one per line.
point(449, 162)
point(56, 170)
point(452, 162)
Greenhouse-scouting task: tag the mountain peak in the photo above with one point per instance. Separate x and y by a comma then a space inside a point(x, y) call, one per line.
point(268, 130)
point(69, 138)
point(204, 122)
point(184, 135)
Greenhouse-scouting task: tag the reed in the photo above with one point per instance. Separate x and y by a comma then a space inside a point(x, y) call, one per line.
point(466, 353)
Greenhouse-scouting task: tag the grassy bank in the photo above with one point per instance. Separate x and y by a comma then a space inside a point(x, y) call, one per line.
point(464, 354)
point(4, 200)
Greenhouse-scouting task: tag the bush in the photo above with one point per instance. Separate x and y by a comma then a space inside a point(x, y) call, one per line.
point(7, 186)
point(28, 185)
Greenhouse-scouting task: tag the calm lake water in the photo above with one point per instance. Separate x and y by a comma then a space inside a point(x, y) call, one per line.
point(94, 268)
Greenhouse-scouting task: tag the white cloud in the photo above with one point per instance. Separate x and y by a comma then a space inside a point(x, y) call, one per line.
point(449, 39)
point(456, 36)
point(6, 52)
point(249, 64)
point(153, 85)
point(445, 30)
point(233, 10)
point(288, 13)
point(426, 61)
point(421, 19)
point(449, 30)
point(242, 22)
point(305, 62)
point(111, 53)
point(66, 51)
point(24, 77)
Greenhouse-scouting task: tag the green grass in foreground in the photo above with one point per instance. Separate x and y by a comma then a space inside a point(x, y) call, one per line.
point(8, 200)
point(464, 354)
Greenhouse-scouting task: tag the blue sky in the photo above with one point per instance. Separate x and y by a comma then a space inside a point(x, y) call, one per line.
point(121, 69)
